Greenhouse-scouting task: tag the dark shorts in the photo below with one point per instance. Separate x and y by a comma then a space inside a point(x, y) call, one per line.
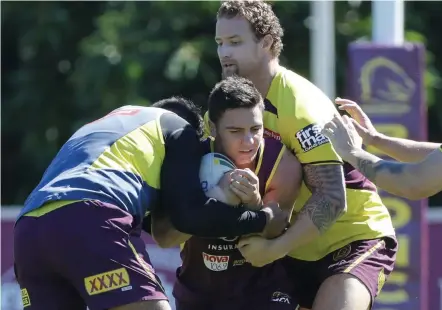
point(86, 253)
point(371, 261)
point(260, 300)
point(239, 287)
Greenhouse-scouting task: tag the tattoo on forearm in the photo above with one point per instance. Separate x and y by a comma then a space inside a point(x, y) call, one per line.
point(328, 202)
point(370, 169)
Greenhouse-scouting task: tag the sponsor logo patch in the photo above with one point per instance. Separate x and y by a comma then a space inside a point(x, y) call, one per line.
point(239, 262)
point(281, 297)
point(342, 253)
point(25, 298)
point(216, 262)
point(310, 137)
point(271, 134)
point(107, 281)
point(222, 247)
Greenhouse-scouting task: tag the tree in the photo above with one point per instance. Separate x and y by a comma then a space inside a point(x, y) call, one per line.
point(67, 63)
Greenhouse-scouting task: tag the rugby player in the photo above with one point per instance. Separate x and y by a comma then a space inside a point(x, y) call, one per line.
point(77, 240)
point(418, 177)
point(214, 275)
point(341, 241)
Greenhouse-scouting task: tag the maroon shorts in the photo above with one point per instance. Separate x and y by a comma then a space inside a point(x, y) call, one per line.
point(371, 261)
point(85, 253)
point(260, 300)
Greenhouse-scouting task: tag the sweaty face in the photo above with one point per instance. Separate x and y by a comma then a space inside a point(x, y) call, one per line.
point(239, 134)
point(238, 50)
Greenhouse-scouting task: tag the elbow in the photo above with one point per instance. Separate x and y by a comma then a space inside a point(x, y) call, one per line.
point(340, 203)
point(163, 242)
point(341, 209)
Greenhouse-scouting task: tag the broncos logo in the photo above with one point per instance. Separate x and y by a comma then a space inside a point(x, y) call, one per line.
point(383, 81)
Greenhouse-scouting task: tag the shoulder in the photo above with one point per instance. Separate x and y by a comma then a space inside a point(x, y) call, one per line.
point(293, 84)
point(299, 98)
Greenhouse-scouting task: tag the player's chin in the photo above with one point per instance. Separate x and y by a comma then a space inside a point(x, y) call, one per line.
point(244, 158)
point(229, 72)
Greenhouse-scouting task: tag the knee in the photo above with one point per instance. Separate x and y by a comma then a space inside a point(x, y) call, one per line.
point(344, 292)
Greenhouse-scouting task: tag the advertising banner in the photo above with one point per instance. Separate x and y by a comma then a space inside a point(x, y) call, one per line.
point(388, 84)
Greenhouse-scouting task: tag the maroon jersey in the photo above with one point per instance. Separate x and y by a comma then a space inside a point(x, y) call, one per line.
point(214, 268)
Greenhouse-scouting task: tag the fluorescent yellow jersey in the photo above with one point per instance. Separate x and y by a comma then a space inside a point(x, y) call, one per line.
point(116, 159)
point(295, 111)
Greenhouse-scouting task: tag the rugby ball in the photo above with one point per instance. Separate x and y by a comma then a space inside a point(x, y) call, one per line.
point(213, 167)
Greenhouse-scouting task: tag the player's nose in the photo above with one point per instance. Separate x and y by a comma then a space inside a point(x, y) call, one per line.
point(224, 52)
point(248, 139)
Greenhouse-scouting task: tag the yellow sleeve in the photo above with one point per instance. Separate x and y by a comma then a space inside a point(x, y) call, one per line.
point(309, 115)
point(206, 125)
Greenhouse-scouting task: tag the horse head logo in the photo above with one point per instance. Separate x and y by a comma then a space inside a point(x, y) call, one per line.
point(383, 80)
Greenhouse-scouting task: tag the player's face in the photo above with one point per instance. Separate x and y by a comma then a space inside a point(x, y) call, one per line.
point(238, 50)
point(239, 134)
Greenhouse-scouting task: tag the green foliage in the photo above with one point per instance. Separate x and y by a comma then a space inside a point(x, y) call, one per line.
point(67, 63)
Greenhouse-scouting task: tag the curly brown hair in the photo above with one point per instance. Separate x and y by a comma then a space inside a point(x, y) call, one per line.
point(261, 17)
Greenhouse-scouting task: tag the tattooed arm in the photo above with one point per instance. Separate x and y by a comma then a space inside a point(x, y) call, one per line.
point(326, 204)
point(410, 180)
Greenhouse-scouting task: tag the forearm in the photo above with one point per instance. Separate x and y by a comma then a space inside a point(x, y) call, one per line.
point(394, 177)
point(215, 220)
point(402, 149)
point(409, 180)
point(165, 235)
point(326, 204)
point(318, 214)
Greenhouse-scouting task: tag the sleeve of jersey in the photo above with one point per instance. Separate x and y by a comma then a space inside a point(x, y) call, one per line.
point(307, 141)
point(189, 209)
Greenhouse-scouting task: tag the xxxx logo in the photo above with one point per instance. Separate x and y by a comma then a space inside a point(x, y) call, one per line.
point(106, 281)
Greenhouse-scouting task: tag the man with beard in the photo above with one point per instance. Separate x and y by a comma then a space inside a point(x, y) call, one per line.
point(341, 241)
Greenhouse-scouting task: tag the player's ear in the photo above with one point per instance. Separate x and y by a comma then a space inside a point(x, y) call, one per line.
point(212, 129)
point(267, 42)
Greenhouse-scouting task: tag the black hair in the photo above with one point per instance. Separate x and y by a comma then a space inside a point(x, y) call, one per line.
point(232, 93)
point(185, 109)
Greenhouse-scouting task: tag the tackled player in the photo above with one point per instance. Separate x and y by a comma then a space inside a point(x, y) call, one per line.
point(77, 240)
point(214, 275)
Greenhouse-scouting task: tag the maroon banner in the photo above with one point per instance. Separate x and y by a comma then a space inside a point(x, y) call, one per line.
point(165, 262)
point(388, 83)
